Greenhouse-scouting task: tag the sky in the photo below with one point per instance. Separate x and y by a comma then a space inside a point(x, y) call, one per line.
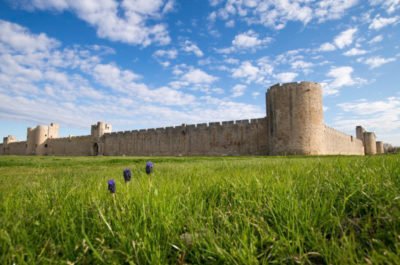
point(145, 64)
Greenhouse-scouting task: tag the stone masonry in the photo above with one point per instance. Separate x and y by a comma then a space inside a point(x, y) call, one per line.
point(294, 125)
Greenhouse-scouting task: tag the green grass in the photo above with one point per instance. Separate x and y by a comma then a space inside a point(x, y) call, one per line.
point(200, 210)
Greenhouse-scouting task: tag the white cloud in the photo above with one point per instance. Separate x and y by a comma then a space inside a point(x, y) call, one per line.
point(332, 9)
point(238, 90)
point(390, 5)
point(169, 54)
point(197, 76)
point(377, 61)
point(381, 116)
point(170, 96)
point(191, 47)
point(249, 39)
point(342, 40)
point(215, 2)
point(265, 66)
point(381, 22)
point(257, 72)
point(231, 61)
point(327, 47)
point(276, 14)
point(345, 38)
point(364, 107)
point(125, 21)
point(376, 39)
point(355, 52)
point(162, 56)
point(340, 77)
point(20, 39)
point(75, 87)
point(111, 75)
point(301, 65)
point(285, 77)
point(246, 70)
point(230, 23)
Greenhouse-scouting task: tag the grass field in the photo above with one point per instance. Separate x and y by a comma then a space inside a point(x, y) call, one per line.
point(200, 210)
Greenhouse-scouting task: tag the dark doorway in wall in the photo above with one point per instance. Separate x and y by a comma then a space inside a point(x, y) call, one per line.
point(95, 149)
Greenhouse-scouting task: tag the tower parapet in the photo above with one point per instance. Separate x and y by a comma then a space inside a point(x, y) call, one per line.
point(295, 119)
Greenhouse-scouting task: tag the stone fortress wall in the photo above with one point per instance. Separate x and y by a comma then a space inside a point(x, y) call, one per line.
point(294, 125)
point(336, 142)
point(245, 137)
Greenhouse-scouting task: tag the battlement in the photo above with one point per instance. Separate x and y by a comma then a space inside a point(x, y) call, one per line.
point(293, 85)
point(341, 134)
point(294, 124)
point(189, 126)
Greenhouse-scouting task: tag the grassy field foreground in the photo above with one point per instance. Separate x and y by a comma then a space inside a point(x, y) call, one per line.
point(217, 210)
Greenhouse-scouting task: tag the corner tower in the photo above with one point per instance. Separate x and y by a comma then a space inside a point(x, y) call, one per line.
point(295, 119)
point(36, 143)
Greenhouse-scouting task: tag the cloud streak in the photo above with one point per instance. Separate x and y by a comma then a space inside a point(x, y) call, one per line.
point(133, 22)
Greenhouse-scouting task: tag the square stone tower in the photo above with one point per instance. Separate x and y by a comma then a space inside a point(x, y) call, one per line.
point(99, 129)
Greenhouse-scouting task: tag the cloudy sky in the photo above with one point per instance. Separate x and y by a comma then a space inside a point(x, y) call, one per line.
point(144, 64)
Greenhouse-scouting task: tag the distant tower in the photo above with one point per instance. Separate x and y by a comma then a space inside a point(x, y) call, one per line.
point(360, 133)
point(295, 119)
point(37, 138)
point(370, 143)
point(379, 148)
point(97, 131)
point(7, 140)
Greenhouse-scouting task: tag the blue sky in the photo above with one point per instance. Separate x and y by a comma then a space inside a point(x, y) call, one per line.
point(145, 64)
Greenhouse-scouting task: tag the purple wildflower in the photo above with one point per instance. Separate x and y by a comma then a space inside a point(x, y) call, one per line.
point(111, 186)
point(127, 174)
point(149, 167)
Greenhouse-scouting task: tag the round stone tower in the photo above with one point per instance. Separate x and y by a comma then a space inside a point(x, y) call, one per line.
point(40, 139)
point(295, 119)
point(379, 148)
point(36, 143)
point(370, 143)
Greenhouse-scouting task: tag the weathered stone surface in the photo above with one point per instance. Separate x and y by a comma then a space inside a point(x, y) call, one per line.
point(370, 143)
point(295, 119)
point(294, 125)
point(379, 148)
